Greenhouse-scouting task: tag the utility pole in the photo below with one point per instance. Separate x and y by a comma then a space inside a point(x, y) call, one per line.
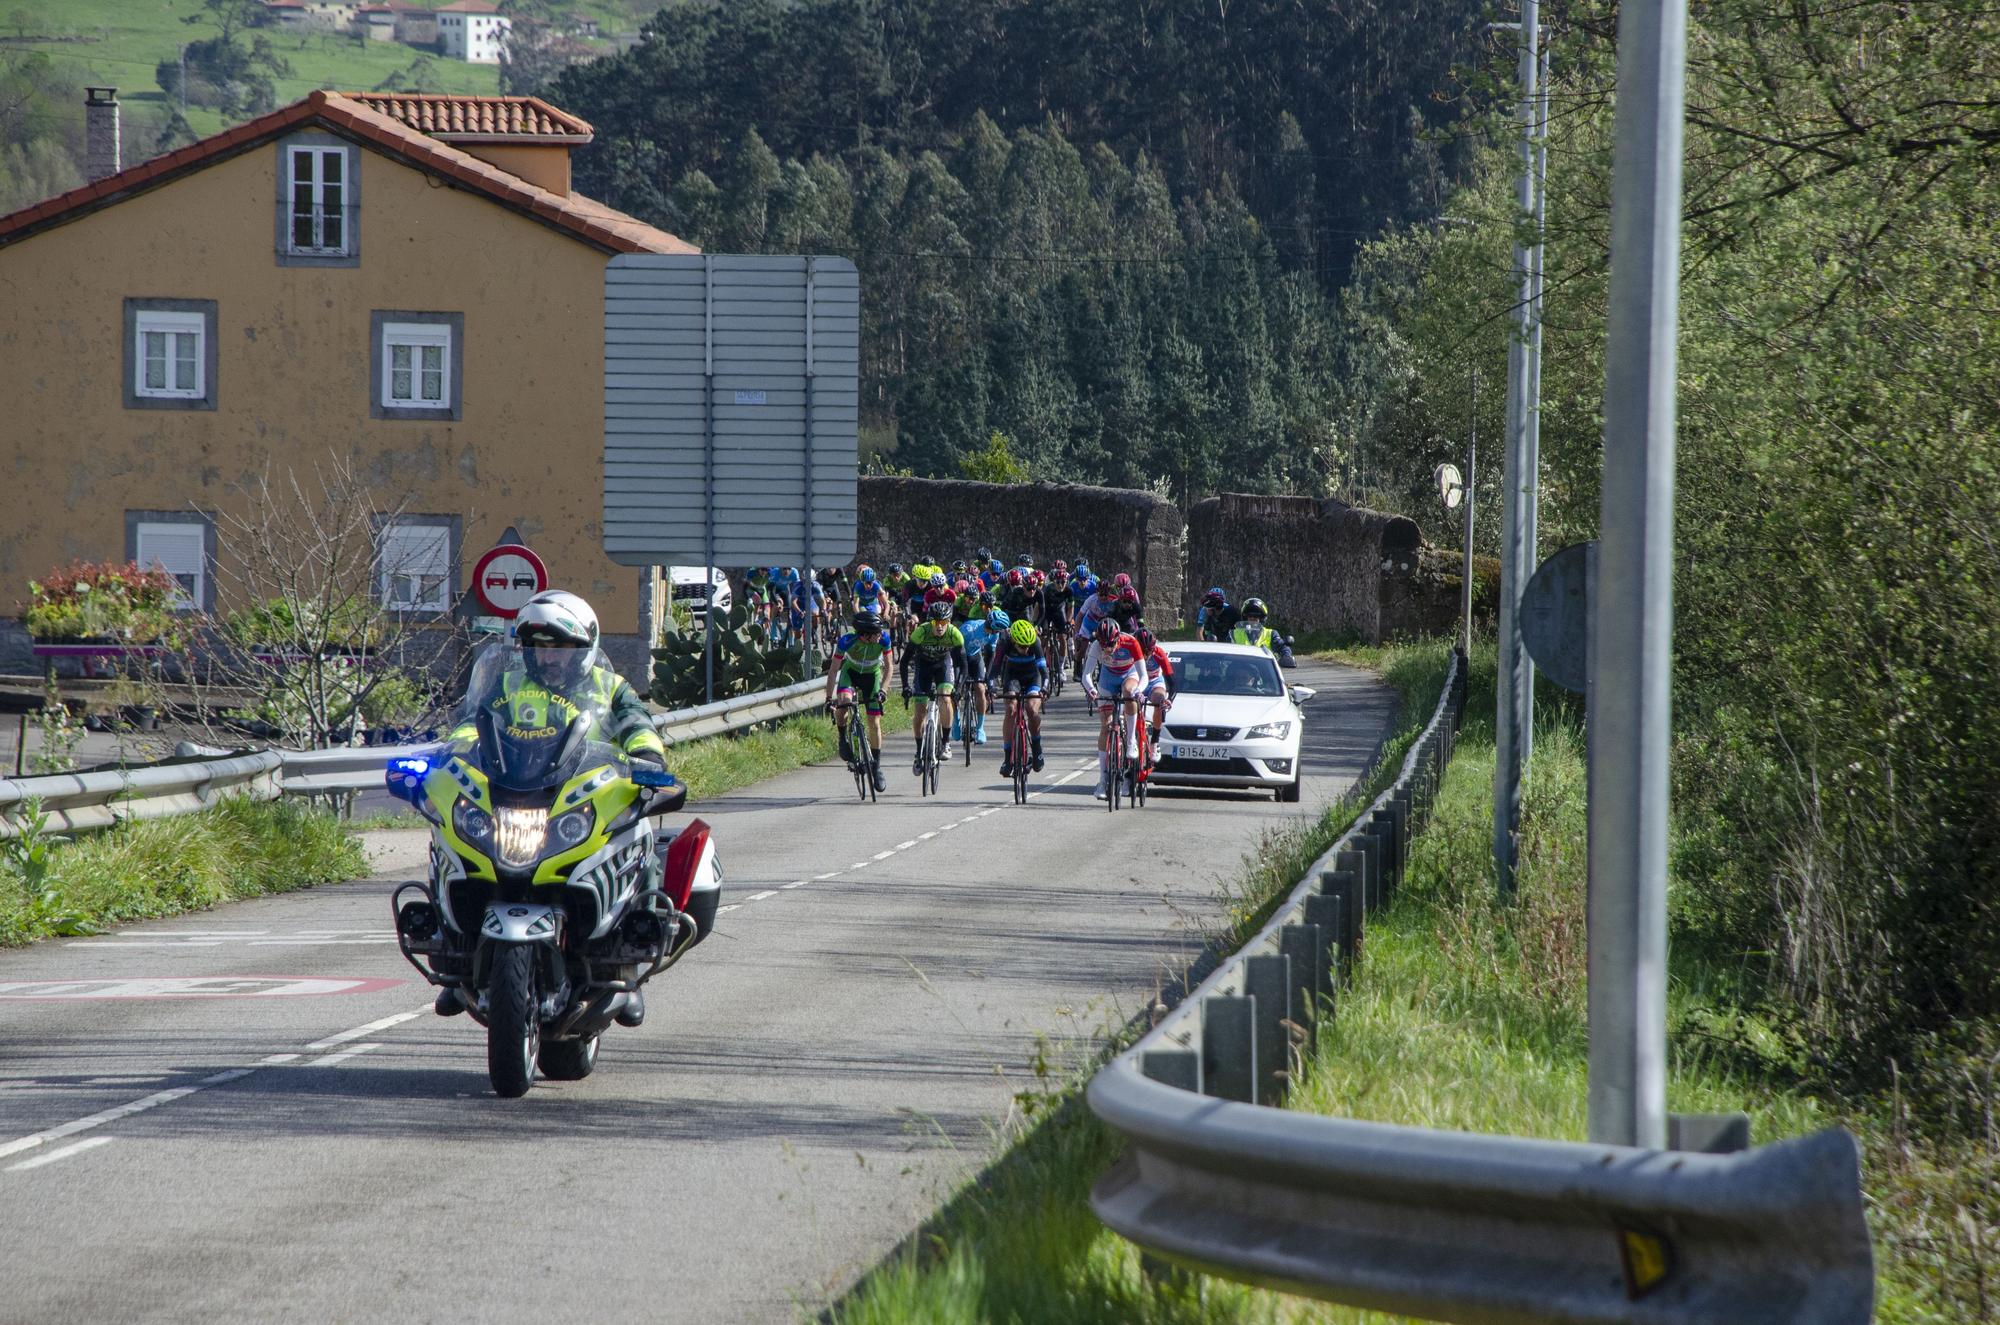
point(1632, 636)
point(1471, 486)
point(1515, 702)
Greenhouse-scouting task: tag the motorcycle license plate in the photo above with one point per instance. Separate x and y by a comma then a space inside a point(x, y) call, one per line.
point(1201, 752)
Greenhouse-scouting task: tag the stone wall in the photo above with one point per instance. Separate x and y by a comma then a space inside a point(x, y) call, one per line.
point(1319, 563)
point(1114, 528)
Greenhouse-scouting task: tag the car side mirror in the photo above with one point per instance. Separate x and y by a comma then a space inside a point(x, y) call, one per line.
point(1300, 694)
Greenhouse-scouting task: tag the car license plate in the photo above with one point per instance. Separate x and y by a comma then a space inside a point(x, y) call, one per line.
point(1201, 752)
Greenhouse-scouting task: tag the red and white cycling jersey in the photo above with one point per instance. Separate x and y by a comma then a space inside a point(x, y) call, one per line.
point(1113, 663)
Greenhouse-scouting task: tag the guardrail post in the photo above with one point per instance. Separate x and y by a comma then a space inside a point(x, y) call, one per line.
point(1173, 1067)
point(1304, 946)
point(1229, 1047)
point(1367, 868)
point(1382, 825)
point(1327, 912)
point(1267, 980)
point(1344, 883)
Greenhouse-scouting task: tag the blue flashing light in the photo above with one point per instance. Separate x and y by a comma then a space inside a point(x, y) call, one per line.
point(414, 767)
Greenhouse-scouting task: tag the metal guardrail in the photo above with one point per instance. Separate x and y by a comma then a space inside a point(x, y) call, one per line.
point(98, 800)
point(79, 801)
point(1445, 1225)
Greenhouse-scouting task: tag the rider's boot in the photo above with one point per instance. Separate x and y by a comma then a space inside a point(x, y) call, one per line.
point(634, 1011)
point(1035, 742)
point(450, 1002)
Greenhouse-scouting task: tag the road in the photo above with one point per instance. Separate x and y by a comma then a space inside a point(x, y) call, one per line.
point(809, 1086)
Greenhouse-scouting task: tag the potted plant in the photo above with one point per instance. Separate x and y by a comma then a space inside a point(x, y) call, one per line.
point(102, 602)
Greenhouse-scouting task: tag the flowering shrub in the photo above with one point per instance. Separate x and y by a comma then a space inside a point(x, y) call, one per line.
point(89, 600)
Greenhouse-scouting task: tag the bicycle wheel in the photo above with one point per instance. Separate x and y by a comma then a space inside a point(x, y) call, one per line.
point(965, 716)
point(1020, 728)
point(927, 749)
point(1115, 765)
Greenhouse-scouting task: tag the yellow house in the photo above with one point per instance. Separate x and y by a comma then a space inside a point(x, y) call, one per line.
point(407, 283)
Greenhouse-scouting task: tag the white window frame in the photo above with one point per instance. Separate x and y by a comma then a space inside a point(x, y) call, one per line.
point(319, 153)
point(392, 561)
point(190, 597)
point(416, 336)
point(170, 325)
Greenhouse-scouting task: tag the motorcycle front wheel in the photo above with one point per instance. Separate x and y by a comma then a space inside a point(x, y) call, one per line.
point(513, 1026)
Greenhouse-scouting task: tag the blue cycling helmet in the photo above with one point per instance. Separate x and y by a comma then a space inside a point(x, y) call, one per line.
point(998, 621)
point(868, 575)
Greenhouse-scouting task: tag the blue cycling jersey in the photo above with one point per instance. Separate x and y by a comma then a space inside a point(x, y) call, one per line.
point(978, 639)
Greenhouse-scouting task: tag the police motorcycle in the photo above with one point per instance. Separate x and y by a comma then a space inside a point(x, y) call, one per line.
point(553, 896)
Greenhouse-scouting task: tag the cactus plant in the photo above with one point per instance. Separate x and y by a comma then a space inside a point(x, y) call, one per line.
point(745, 663)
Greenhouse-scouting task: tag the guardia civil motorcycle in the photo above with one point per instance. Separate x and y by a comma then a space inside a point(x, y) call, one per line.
point(553, 895)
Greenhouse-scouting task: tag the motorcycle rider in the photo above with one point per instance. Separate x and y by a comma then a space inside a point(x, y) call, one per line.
point(562, 673)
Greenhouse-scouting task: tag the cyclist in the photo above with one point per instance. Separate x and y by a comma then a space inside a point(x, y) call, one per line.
point(897, 582)
point(1252, 630)
point(807, 601)
point(1055, 613)
point(758, 594)
point(869, 591)
point(860, 667)
point(1159, 686)
point(981, 634)
point(1115, 666)
point(1126, 608)
point(965, 601)
point(1014, 595)
point(936, 655)
point(1215, 616)
point(1022, 670)
point(982, 566)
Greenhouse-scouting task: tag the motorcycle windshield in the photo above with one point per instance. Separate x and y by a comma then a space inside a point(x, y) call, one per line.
point(539, 716)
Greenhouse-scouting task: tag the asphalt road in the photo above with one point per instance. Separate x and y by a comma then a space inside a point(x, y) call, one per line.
point(307, 1141)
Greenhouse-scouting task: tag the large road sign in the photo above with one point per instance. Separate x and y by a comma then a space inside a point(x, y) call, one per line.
point(1555, 616)
point(731, 394)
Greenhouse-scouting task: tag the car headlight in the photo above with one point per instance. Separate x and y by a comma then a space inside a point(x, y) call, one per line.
point(572, 828)
point(522, 833)
point(473, 824)
point(1270, 731)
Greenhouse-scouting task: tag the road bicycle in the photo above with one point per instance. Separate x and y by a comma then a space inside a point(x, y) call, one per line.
point(857, 745)
point(928, 745)
point(1128, 774)
point(1017, 745)
point(1058, 645)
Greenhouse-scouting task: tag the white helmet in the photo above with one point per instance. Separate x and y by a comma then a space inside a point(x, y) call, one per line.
point(556, 619)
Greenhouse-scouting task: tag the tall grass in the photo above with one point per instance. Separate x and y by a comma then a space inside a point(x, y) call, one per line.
point(158, 867)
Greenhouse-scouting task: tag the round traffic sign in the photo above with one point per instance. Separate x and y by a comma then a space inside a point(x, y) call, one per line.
point(507, 577)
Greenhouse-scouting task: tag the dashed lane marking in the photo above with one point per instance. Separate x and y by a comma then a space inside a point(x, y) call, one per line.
point(96, 1120)
point(64, 1152)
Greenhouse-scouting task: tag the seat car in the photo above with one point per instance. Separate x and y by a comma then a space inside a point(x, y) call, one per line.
point(1233, 723)
point(694, 588)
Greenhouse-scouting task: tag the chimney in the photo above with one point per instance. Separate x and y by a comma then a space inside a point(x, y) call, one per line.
point(100, 127)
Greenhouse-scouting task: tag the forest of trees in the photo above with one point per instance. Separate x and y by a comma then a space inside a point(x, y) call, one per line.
point(1114, 235)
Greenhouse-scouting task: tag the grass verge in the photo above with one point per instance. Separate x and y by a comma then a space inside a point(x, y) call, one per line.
point(159, 867)
point(1019, 1244)
point(1470, 1015)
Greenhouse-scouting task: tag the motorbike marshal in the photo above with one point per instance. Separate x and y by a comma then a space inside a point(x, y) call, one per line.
point(553, 895)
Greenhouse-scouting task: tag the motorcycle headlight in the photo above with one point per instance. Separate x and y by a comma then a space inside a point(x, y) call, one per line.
point(1270, 731)
point(473, 824)
point(521, 834)
point(572, 828)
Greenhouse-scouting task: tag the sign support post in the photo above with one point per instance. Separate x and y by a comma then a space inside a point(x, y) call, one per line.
point(708, 479)
point(1471, 483)
point(810, 581)
point(1630, 698)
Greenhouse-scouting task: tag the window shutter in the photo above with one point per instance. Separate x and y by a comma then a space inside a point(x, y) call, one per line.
point(179, 550)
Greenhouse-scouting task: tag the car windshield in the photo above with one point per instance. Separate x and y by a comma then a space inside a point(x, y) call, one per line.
point(539, 720)
point(1226, 674)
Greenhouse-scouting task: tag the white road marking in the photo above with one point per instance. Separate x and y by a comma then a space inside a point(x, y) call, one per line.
point(905, 846)
point(883, 855)
point(95, 1120)
point(830, 874)
point(758, 897)
point(725, 910)
point(797, 884)
point(275, 1059)
point(380, 1024)
point(925, 837)
point(354, 1051)
point(65, 1152)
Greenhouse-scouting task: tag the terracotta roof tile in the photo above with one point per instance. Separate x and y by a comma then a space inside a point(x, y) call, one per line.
point(581, 217)
point(447, 118)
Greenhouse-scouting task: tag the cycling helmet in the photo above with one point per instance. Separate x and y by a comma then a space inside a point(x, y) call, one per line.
point(1027, 561)
point(1121, 580)
point(1128, 595)
point(1036, 579)
point(868, 575)
point(986, 598)
point(1254, 607)
point(1082, 566)
point(790, 573)
point(557, 632)
point(866, 622)
point(1059, 567)
point(1015, 579)
point(1060, 579)
point(937, 580)
point(1107, 629)
point(895, 568)
point(1023, 633)
point(1214, 598)
point(998, 621)
point(938, 611)
point(959, 567)
point(1144, 634)
point(983, 556)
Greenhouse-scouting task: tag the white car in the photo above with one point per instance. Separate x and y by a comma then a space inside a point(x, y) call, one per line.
point(693, 588)
point(1234, 722)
